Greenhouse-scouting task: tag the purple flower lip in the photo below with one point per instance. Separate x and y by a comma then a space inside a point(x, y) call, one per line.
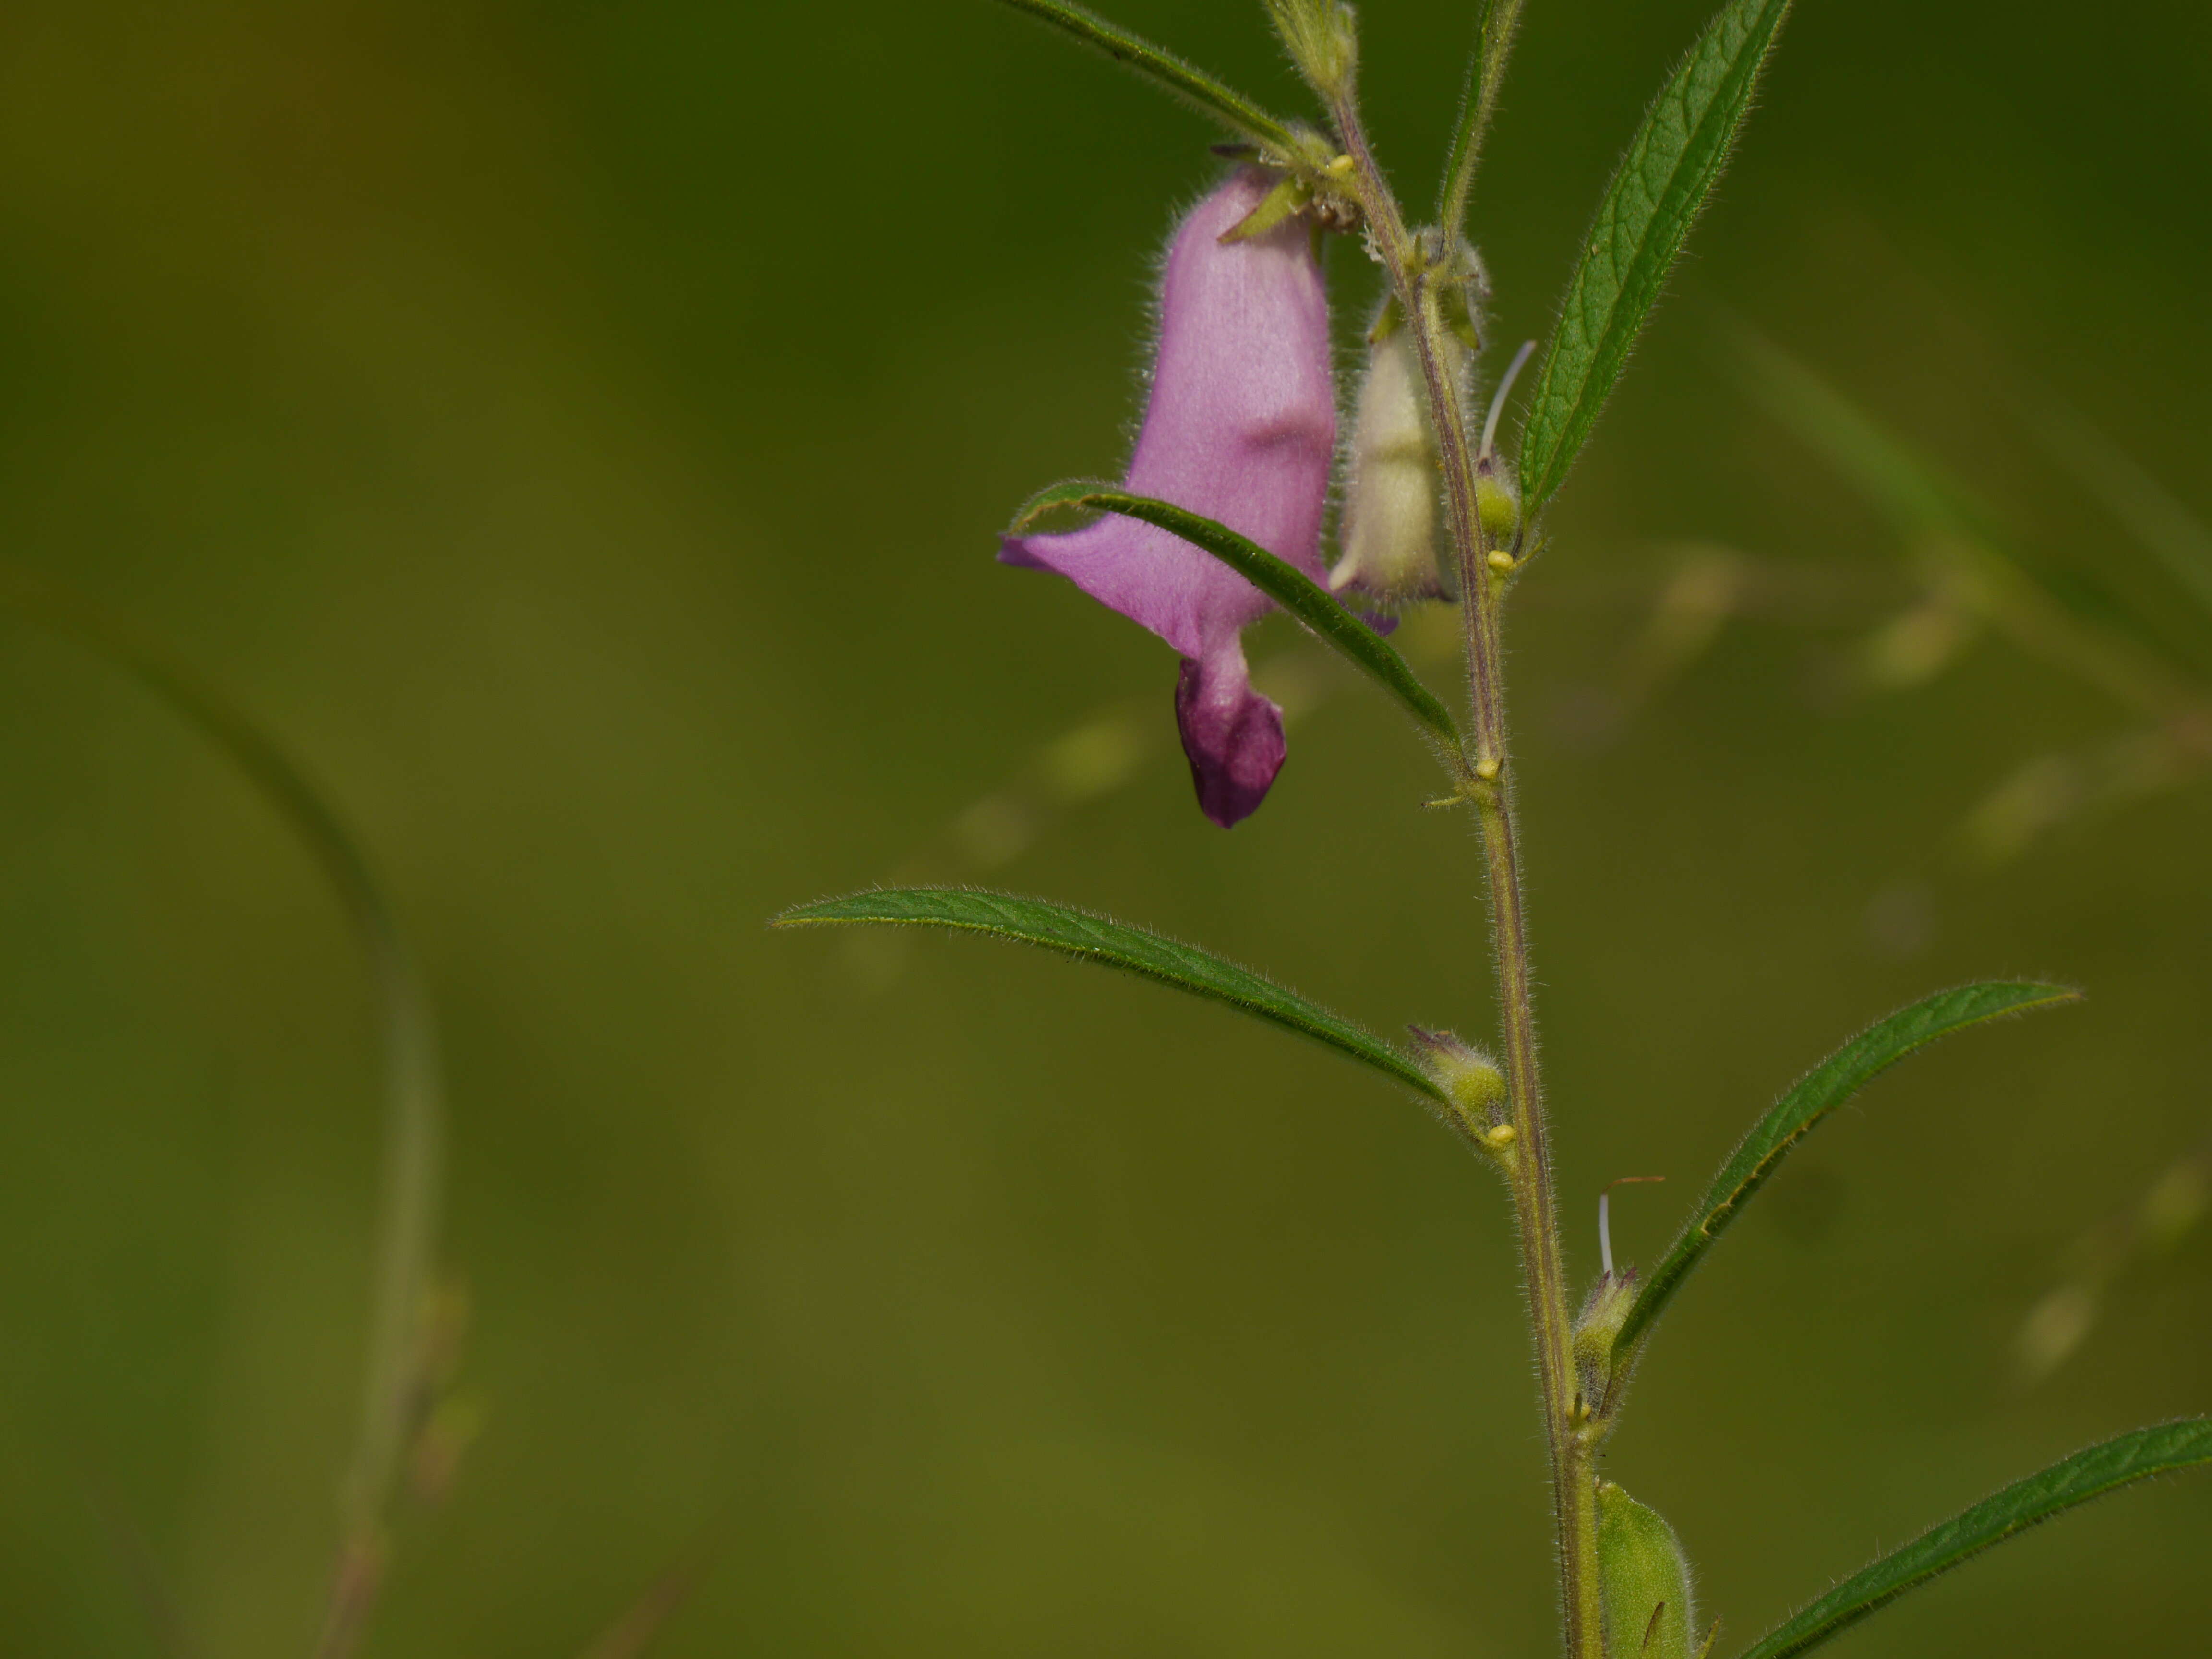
point(1240, 426)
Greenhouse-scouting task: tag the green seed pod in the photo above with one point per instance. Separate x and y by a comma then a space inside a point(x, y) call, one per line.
point(1604, 1312)
point(1474, 1083)
point(1649, 1610)
point(1497, 503)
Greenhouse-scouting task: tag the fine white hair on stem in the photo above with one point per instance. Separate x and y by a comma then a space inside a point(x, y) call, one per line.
point(1498, 400)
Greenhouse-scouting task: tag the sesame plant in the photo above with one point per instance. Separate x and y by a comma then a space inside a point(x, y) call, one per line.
point(1220, 517)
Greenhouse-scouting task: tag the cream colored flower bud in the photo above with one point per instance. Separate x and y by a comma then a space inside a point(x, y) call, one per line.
point(1392, 503)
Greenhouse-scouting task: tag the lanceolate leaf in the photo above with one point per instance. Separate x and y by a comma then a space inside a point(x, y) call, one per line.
point(1185, 80)
point(1283, 583)
point(1102, 939)
point(1670, 167)
point(1827, 1086)
point(2085, 1476)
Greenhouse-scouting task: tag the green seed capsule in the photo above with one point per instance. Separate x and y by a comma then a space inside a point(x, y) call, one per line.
point(1496, 502)
point(1604, 1312)
point(1649, 1610)
point(1471, 1080)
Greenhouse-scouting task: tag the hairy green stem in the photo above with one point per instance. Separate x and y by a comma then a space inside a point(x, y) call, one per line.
point(1486, 783)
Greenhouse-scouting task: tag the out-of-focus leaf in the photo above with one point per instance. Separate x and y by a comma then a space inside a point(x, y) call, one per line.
point(1643, 221)
point(1098, 938)
point(2181, 540)
point(1700, 593)
point(2065, 1485)
point(414, 1110)
point(1827, 1086)
point(2055, 616)
point(2052, 788)
point(1180, 78)
point(634, 1635)
point(1283, 582)
point(2173, 1207)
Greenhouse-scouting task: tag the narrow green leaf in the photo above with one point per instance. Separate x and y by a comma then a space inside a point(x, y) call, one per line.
point(1102, 939)
point(1641, 225)
point(1286, 585)
point(1192, 85)
point(413, 1111)
point(1827, 1086)
point(2075, 1480)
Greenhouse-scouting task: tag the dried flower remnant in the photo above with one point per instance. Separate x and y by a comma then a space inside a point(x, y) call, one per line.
point(1240, 426)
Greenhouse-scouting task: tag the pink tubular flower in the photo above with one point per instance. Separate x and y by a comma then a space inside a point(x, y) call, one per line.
point(1240, 427)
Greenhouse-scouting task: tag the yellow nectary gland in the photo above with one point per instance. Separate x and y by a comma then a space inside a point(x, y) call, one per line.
point(1393, 492)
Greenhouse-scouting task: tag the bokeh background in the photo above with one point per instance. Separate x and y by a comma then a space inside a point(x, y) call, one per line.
point(578, 431)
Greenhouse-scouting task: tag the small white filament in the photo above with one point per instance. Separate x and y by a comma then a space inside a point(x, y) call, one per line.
point(1498, 397)
point(1605, 1215)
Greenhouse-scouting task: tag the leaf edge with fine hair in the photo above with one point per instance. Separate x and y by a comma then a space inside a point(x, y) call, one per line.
point(1976, 1528)
point(1088, 936)
point(1812, 1099)
point(1561, 417)
point(1177, 76)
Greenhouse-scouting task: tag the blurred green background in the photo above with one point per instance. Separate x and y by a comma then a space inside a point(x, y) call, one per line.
point(579, 431)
